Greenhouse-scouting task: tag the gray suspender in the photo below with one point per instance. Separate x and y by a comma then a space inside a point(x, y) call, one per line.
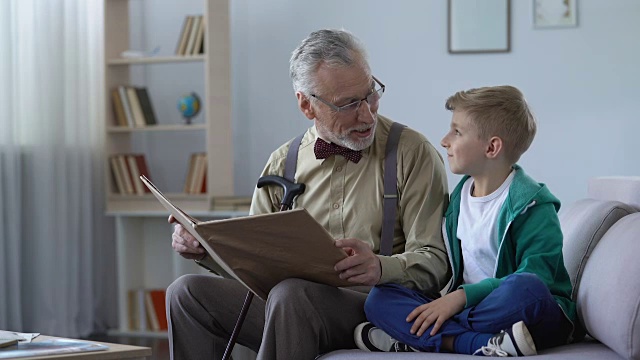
point(390, 199)
point(291, 163)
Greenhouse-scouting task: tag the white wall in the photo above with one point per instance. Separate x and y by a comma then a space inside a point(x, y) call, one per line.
point(581, 82)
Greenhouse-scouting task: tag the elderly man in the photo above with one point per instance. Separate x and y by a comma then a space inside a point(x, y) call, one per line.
point(341, 160)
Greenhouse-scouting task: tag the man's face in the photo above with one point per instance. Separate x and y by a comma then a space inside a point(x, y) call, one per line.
point(465, 149)
point(340, 86)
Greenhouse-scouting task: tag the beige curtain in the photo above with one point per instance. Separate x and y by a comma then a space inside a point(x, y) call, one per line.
point(57, 263)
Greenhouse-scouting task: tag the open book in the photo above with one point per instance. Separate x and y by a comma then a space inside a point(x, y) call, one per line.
point(262, 250)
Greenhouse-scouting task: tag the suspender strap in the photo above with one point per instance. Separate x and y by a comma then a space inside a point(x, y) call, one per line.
point(390, 199)
point(291, 162)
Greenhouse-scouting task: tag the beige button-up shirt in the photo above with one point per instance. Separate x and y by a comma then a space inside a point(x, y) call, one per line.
point(346, 199)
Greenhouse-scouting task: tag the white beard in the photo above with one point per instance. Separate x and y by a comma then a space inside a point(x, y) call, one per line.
point(345, 140)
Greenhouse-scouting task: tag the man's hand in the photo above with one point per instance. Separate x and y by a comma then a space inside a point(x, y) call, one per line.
point(361, 266)
point(436, 312)
point(184, 243)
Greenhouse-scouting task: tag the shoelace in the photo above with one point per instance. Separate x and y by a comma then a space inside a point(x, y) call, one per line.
point(400, 347)
point(493, 347)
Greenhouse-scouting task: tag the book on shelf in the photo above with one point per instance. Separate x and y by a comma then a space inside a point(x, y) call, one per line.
point(199, 45)
point(260, 251)
point(196, 180)
point(184, 36)
point(124, 99)
point(136, 109)
point(118, 109)
point(231, 203)
point(126, 170)
point(132, 107)
point(158, 303)
point(147, 310)
point(147, 107)
point(116, 175)
point(193, 34)
point(191, 40)
point(126, 174)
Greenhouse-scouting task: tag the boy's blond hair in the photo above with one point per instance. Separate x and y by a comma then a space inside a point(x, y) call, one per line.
point(498, 111)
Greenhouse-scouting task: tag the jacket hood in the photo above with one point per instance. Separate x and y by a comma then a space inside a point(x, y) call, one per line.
point(524, 192)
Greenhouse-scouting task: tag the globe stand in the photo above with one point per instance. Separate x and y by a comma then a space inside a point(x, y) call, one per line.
point(187, 120)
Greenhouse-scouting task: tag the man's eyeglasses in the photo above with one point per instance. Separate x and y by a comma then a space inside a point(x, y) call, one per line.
point(377, 89)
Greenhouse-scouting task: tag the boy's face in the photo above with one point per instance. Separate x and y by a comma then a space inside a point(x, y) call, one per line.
point(465, 150)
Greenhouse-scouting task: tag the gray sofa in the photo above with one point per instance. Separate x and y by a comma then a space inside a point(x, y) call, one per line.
point(601, 251)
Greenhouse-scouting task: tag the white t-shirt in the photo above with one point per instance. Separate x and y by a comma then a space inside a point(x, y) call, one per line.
point(477, 230)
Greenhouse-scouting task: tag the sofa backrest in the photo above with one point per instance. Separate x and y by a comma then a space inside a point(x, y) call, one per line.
point(609, 294)
point(601, 246)
point(583, 225)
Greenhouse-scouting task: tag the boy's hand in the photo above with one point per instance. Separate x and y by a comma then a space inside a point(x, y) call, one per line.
point(436, 312)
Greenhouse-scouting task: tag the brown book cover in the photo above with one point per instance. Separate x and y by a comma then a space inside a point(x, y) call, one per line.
point(120, 119)
point(143, 169)
point(190, 172)
point(117, 175)
point(132, 164)
point(262, 250)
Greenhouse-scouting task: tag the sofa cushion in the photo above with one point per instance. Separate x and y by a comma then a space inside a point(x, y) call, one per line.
point(587, 350)
point(609, 293)
point(619, 188)
point(583, 225)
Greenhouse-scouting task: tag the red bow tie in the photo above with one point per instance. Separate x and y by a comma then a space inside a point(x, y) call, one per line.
point(323, 150)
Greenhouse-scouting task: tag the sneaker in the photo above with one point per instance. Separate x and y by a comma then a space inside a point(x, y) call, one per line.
point(516, 341)
point(370, 338)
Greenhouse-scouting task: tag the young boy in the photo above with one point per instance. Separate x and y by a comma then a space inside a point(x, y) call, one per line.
point(510, 292)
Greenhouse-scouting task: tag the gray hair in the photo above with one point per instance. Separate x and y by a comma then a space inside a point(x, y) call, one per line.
point(335, 48)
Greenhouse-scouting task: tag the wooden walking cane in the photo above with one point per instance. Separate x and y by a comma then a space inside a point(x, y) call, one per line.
point(291, 190)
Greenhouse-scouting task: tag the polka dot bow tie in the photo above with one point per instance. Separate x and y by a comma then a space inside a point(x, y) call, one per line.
point(323, 150)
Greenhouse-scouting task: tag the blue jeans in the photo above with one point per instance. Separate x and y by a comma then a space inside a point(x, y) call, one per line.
point(520, 297)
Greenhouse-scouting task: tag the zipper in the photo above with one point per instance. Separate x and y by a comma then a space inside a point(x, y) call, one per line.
point(495, 268)
point(446, 245)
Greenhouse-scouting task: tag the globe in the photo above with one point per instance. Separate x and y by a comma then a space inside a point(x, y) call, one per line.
point(189, 106)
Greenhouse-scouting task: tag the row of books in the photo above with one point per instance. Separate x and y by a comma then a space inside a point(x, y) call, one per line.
point(196, 182)
point(147, 310)
point(231, 203)
point(191, 41)
point(126, 170)
point(132, 106)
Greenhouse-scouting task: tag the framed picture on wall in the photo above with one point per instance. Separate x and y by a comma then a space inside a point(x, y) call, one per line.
point(555, 13)
point(479, 26)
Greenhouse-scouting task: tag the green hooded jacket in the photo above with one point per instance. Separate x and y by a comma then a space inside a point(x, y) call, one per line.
point(531, 242)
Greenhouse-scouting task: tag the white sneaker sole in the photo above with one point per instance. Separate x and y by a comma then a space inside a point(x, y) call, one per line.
point(523, 339)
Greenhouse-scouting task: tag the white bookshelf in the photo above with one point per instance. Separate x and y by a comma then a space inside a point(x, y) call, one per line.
point(213, 132)
point(145, 258)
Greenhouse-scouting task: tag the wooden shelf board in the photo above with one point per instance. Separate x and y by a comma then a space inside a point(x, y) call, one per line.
point(155, 60)
point(174, 127)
